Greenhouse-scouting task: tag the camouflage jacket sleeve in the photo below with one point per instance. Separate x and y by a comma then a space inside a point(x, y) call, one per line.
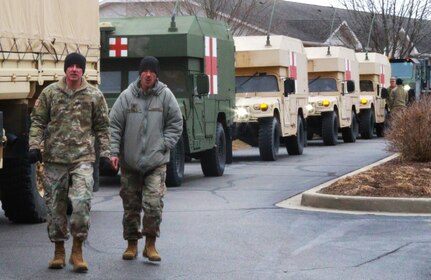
point(39, 119)
point(101, 125)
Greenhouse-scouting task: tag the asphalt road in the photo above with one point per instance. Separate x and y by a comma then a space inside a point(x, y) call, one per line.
point(230, 228)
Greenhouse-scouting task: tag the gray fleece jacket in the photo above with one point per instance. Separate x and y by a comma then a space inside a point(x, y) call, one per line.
point(144, 126)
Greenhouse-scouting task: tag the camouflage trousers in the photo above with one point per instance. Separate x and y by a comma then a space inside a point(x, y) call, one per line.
point(142, 192)
point(63, 181)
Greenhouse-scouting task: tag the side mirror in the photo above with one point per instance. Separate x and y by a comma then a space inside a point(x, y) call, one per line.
point(202, 84)
point(350, 86)
point(289, 87)
point(384, 93)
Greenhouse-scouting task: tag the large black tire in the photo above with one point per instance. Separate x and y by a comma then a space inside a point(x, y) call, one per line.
point(330, 128)
point(175, 167)
point(21, 201)
point(366, 126)
point(213, 161)
point(295, 144)
point(351, 133)
point(381, 127)
point(269, 139)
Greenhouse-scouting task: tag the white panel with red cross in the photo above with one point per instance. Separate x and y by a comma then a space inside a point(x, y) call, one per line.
point(293, 69)
point(117, 47)
point(211, 63)
point(382, 75)
point(348, 74)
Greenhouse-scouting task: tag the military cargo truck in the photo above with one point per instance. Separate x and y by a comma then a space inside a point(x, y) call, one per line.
point(196, 58)
point(333, 80)
point(271, 94)
point(374, 75)
point(34, 41)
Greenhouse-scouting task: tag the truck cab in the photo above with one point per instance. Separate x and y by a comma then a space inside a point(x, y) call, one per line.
point(271, 94)
point(196, 58)
point(333, 80)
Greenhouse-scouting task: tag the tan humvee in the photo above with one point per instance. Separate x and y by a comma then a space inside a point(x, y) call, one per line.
point(333, 80)
point(374, 75)
point(271, 94)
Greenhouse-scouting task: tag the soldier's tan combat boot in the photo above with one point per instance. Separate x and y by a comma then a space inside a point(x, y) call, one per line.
point(150, 251)
point(79, 265)
point(59, 260)
point(131, 251)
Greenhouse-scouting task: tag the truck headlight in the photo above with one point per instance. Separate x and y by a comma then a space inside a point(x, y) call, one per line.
point(309, 108)
point(242, 113)
point(263, 106)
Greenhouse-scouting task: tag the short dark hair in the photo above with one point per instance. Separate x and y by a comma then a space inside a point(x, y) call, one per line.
point(399, 81)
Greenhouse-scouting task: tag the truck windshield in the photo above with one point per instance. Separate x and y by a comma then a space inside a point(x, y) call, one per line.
point(366, 85)
point(262, 83)
point(322, 85)
point(403, 70)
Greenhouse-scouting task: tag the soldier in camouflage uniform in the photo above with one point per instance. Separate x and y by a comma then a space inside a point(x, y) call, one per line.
point(146, 123)
point(69, 116)
point(398, 97)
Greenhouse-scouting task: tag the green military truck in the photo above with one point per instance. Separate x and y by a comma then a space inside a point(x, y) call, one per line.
point(196, 58)
point(34, 41)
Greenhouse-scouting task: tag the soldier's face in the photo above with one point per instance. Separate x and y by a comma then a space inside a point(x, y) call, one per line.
point(393, 83)
point(148, 79)
point(73, 73)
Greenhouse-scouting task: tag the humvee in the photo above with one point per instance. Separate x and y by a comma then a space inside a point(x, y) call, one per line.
point(333, 80)
point(271, 94)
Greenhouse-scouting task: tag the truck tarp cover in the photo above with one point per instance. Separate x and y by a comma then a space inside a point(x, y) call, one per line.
point(49, 26)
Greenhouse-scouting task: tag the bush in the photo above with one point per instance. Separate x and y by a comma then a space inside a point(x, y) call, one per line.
point(409, 131)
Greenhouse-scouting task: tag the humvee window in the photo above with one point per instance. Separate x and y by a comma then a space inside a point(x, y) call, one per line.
point(110, 82)
point(264, 83)
point(366, 85)
point(322, 85)
point(174, 79)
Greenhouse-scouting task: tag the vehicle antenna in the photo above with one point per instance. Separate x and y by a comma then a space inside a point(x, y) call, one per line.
point(173, 27)
point(369, 37)
point(268, 43)
point(332, 26)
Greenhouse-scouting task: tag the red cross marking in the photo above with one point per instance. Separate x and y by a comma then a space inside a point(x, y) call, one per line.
point(211, 63)
point(348, 75)
point(293, 69)
point(117, 47)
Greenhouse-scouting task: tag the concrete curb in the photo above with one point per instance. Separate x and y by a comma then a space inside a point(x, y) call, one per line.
point(376, 205)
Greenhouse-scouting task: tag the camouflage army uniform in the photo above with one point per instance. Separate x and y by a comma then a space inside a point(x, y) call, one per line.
point(145, 126)
point(398, 99)
point(69, 122)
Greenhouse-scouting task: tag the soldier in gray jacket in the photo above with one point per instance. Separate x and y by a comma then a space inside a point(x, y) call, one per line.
point(146, 123)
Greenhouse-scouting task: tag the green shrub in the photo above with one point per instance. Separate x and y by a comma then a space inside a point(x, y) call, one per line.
point(409, 131)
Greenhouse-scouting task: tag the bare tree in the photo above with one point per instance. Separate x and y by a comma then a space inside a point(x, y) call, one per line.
point(397, 25)
point(238, 14)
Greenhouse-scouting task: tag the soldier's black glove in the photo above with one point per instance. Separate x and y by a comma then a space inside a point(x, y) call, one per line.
point(34, 156)
point(105, 163)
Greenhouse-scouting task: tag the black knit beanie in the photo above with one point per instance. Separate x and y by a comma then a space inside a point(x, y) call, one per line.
point(149, 63)
point(75, 58)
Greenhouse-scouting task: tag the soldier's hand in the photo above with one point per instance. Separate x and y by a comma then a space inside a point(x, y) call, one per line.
point(34, 156)
point(105, 163)
point(115, 161)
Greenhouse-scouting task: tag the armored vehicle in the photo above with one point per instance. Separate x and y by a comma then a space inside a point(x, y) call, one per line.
point(34, 42)
point(196, 58)
point(271, 94)
point(333, 80)
point(374, 75)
